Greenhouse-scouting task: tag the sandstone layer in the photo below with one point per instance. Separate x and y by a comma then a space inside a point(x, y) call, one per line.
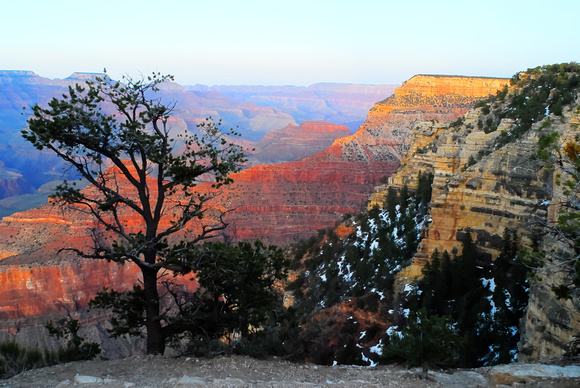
point(296, 142)
point(483, 187)
point(286, 202)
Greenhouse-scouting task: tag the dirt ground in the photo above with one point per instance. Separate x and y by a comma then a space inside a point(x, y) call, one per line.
point(235, 371)
point(239, 371)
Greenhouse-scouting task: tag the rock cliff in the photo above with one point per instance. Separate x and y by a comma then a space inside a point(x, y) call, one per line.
point(35, 290)
point(286, 202)
point(296, 142)
point(488, 177)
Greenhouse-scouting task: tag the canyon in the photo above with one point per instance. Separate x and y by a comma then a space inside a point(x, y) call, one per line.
point(279, 203)
point(286, 202)
point(345, 104)
point(251, 110)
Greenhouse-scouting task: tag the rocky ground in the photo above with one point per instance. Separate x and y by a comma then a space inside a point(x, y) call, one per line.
point(237, 371)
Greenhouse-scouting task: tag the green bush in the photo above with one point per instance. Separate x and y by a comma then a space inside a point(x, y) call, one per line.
point(15, 359)
point(76, 348)
point(425, 340)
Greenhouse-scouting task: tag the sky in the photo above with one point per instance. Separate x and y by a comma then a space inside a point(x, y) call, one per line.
point(251, 42)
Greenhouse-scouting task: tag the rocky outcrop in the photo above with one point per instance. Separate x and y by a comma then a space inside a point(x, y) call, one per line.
point(551, 326)
point(502, 190)
point(295, 142)
point(483, 186)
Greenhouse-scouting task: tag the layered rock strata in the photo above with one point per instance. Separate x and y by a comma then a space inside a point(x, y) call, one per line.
point(483, 187)
point(296, 142)
point(278, 203)
point(289, 201)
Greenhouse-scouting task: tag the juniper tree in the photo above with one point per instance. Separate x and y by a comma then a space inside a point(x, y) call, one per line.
point(111, 131)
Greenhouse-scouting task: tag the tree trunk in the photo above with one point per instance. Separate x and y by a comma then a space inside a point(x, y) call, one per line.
point(155, 337)
point(425, 370)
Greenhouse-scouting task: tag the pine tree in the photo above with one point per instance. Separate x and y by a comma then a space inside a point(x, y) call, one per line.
point(425, 340)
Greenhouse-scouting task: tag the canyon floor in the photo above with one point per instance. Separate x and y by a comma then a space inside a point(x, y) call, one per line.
point(238, 371)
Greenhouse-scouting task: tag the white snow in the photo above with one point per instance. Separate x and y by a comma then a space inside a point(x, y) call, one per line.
point(392, 330)
point(366, 359)
point(378, 348)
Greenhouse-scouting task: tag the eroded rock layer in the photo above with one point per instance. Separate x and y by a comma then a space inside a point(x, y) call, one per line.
point(483, 186)
point(277, 203)
point(295, 142)
point(285, 202)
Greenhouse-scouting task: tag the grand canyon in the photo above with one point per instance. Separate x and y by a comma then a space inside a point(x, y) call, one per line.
point(302, 178)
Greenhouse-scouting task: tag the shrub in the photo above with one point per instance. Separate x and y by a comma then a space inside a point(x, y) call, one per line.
point(15, 359)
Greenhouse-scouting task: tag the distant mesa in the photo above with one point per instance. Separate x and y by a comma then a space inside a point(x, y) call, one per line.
point(17, 73)
point(84, 76)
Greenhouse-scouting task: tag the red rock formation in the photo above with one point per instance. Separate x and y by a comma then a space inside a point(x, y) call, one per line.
point(295, 142)
point(29, 291)
point(278, 203)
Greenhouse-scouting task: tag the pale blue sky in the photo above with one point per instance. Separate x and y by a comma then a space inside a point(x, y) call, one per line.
point(294, 42)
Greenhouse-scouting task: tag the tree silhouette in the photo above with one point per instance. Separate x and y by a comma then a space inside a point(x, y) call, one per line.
point(117, 136)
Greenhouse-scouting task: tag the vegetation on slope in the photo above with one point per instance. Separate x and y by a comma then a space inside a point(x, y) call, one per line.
point(533, 95)
point(482, 301)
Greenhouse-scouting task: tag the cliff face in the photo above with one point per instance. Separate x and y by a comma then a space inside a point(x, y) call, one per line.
point(30, 291)
point(286, 202)
point(502, 190)
point(295, 142)
point(484, 186)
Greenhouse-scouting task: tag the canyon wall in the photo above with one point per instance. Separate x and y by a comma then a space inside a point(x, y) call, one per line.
point(278, 203)
point(296, 142)
point(287, 202)
point(483, 186)
point(34, 290)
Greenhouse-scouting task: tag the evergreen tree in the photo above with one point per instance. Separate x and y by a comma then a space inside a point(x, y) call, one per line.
point(425, 340)
point(122, 124)
point(391, 203)
point(509, 298)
